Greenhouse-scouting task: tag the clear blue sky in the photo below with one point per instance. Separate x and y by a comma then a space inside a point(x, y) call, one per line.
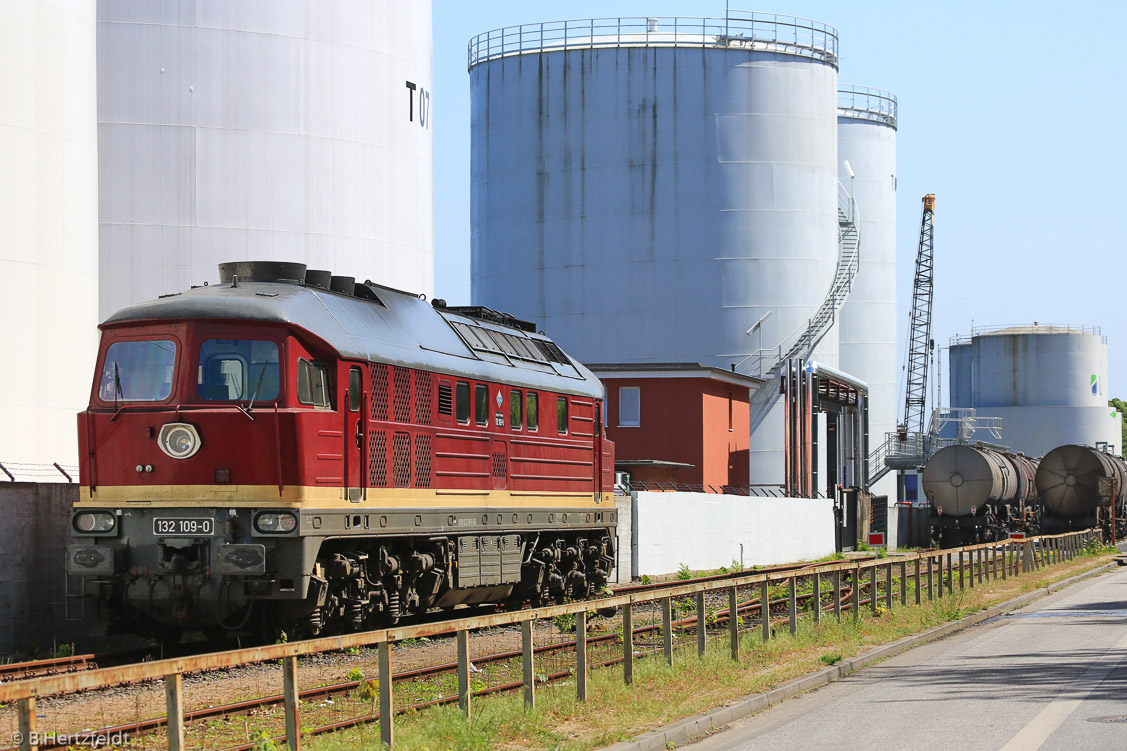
point(1013, 114)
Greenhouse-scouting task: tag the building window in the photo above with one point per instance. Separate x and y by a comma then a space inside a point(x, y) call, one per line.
point(629, 407)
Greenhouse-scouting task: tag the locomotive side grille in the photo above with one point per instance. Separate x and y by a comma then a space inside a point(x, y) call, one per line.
point(500, 465)
point(422, 461)
point(402, 394)
point(445, 399)
point(379, 392)
point(423, 382)
point(401, 460)
point(377, 459)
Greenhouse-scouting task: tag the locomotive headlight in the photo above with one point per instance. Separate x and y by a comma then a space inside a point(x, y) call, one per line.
point(94, 522)
point(275, 523)
point(179, 440)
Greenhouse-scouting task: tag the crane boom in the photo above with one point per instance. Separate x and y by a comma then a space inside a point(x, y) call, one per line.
point(919, 338)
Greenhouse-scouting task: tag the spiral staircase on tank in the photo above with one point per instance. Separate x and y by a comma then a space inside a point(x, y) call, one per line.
point(800, 344)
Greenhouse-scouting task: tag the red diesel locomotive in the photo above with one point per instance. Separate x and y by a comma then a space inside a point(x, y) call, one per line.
point(290, 450)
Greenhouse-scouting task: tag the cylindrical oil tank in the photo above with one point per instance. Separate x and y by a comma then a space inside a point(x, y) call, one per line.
point(1048, 384)
point(866, 141)
point(48, 230)
point(961, 480)
point(294, 131)
point(1074, 480)
point(659, 189)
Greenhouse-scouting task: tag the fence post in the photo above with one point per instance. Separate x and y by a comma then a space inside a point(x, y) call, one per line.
point(939, 575)
point(981, 564)
point(628, 644)
point(903, 583)
point(765, 608)
point(667, 629)
point(1005, 560)
point(930, 580)
point(837, 594)
point(581, 655)
point(387, 709)
point(816, 597)
point(919, 580)
point(962, 571)
point(874, 589)
point(792, 604)
point(701, 625)
point(856, 606)
point(950, 573)
point(293, 728)
point(174, 701)
point(463, 639)
point(734, 622)
point(29, 726)
point(888, 587)
point(527, 662)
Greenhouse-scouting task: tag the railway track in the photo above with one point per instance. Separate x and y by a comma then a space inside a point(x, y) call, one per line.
point(18, 671)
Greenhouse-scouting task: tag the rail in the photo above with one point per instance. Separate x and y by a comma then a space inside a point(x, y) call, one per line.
point(37, 472)
point(769, 32)
point(761, 490)
point(1028, 328)
point(864, 103)
point(1009, 557)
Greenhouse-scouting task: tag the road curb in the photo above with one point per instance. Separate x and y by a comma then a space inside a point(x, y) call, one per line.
point(697, 725)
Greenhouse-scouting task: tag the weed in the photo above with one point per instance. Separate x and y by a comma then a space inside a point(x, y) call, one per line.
point(263, 742)
point(646, 579)
point(356, 675)
point(564, 623)
point(831, 658)
point(64, 650)
point(683, 572)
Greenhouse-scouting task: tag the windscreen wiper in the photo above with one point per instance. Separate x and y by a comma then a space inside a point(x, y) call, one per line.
point(257, 386)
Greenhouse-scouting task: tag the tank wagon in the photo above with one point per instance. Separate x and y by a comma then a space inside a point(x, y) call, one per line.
point(979, 494)
point(1080, 487)
point(290, 450)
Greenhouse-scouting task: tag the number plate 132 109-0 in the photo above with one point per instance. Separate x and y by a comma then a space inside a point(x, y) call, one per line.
point(183, 527)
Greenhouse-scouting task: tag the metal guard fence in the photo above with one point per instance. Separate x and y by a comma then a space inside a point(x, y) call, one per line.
point(1012, 557)
point(767, 32)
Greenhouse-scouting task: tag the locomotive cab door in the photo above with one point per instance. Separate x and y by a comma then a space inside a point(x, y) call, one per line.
point(355, 438)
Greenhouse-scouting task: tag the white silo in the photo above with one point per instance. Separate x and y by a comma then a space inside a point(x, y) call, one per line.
point(659, 189)
point(48, 231)
point(1048, 383)
point(866, 140)
point(296, 131)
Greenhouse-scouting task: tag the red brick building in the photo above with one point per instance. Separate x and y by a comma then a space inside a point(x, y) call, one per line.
point(678, 421)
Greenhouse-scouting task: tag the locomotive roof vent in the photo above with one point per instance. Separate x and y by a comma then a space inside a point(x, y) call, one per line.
point(482, 313)
point(263, 271)
point(346, 285)
point(318, 278)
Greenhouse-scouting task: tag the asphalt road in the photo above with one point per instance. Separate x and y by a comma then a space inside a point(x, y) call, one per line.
point(1051, 676)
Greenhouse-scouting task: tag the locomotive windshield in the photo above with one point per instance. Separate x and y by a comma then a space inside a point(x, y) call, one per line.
point(138, 371)
point(234, 370)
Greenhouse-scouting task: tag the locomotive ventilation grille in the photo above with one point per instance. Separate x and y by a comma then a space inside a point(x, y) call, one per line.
point(377, 459)
point(423, 461)
point(500, 465)
point(401, 460)
point(379, 392)
point(402, 394)
point(445, 399)
point(423, 381)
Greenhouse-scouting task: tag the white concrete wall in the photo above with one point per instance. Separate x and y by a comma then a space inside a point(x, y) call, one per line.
point(705, 530)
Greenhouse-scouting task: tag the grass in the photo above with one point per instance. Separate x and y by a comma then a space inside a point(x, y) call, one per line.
point(663, 694)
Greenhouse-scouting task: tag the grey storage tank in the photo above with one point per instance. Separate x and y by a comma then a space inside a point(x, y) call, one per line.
point(657, 190)
point(1048, 383)
point(866, 132)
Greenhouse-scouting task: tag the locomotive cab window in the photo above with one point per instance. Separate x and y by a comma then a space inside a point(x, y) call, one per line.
point(516, 409)
point(561, 415)
point(138, 371)
point(481, 404)
point(232, 370)
point(313, 387)
point(355, 390)
point(533, 410)
point(463, 402)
